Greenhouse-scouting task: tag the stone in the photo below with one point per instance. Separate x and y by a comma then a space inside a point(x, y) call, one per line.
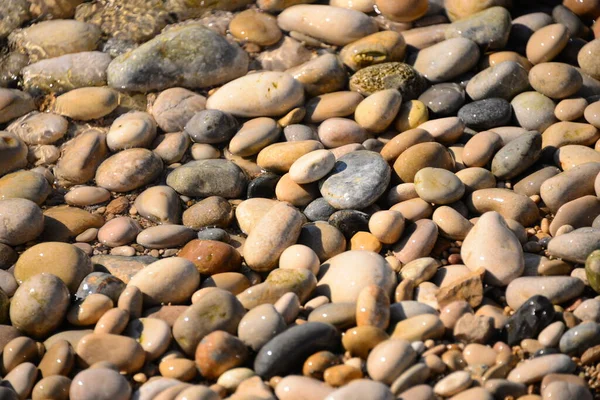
point(422, 155)
point(489, 28)
point(40, 315)
point(340, 315)
point(486, 114)
point(39, 128)
point(253, 136)
point(289, 349)
point(211, 61)
point(324, 239)
point(206, 178)
point(174, 107)
point(587, 56)
point(218, 352)
point(555, 80)
point(62, 223)
point(443, 99)
point(529, 320)
point(260, 325)
point(362, 388)
point(418, 241)
point(51, 387)
point(377, 48)
point(438, 186)
point(102, 283)
point(324, 74)
point(22, 221)
point(557, 289)
point(508, 204)
point(389, 359)
point(579, 338)
point(337, 132)
point(265, 94)
point(86, 103)
point(114, 385)
point(128, 170)
point(478, 247)
point(575, 246)
point(211, 257)
point(256, 27)
point(419, 328)
point(315, 20)
point(546, 43)
point(124, 352)
point(81, 157)
point(393, 75)
point(504, 80)
point(279, 157)
point(213, 211)
point(459, 56)
point(369, 175)
point(516, 156)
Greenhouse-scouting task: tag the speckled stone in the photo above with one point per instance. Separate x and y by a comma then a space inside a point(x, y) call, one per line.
point(393, 75)
point(485, 114)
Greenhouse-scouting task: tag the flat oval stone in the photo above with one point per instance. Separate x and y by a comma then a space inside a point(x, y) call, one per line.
point(153, 334)
point(534, 370)
point(22, 221)
point(132, 129)
point(517, 155)
point(340, 315)
point(360, 389)
point(324, 239)
point(128, 170)
point(160, 204)
point(438, 186)
point(174, 107)
point(422, 155)
point(39, 128)
point(444, 130)
point(486, 114)
point(569, 133)
point(504, 80)
point(260, 325)
point(389, 359)
point(279, 157)
point(419, 328)
point(569, 185)
point(555, 80)
point(315, 20)
point(480, 149)
point(289, 349)
point(211, 257)
point(557, 289)
point(446, 60)
point(86, 196)
point(575, 246)
point(85, 385)
point(320, 75)
point(25, 185)
point(312, 166)
point(380, 47)
point(418, 240)
point(211, 61)
point(546, 43)
point(81, 157)
point(125, 353)
point(253, 136)
point(342, 277)
point(256, 27)
point(587, 58)
point(293, 387)
point(331, 105)
point(55, 387)
point(206, 178)
point(158, 280)
point(489, 28)
point(86, 103)
point(165, 236)
point(577, 213)
point(507, 203)
point(377, 112)
point(443, 99)
point(337, 132)
point(579, 338)
point(365, 172)
point(264, 94)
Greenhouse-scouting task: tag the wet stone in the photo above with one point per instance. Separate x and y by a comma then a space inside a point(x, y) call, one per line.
point(529, 319)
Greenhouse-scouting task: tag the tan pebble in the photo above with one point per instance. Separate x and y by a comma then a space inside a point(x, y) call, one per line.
point(359, 341)
point(253, 136)
point(570, 109)
point(288, 306)
point(404, 290)
point(331, 105)
point(376, 112)
point(420, 156)
point(53, 387)
point(493, 59)
point(300, 256)
point(89, 311)
point(555, 80)
point(112, 321)
point(454, 360)
point(178, 368)
point(478, 354)
point(340, 375)
point(279, 157)
point(336, 132)
point(380, 47)
point(21, 379)
point(260, 325)
point(257, 27)
point(413, 209)
point(546, 43)
point(417, 242)
point(153, 334)
point(316, 364)
point(131, 300)
point(452, 384)
point(87, 103)
point(19, 350)
point(218, 352)
point(233, 282)
point(400, 143)
point(58, 359)
point(122, 351)
point(420, 327)
point(550, 335)
point(364, 241)
point(312, 166)
point(402, 11)
point(86, 196)
point(507, 203)
point(372, 307)
point(85, 385)
point(389, 359)
point(592, 114)
point(444, 130)
point(387, 226)
point(411, 114)
point(291, 192)
point(453, 311)
point(480, 149)
point(201, 151)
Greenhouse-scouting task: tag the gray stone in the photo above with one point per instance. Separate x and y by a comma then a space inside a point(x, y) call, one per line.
point(319, 210)
point(12, 15)
point(489, 28)
point(485, 114)
point(576, 245)
point(579, 338)
point(206, 178)
point(103, 283)
point(358, 179)
point(444, 99)
point(505, 80)
point(190, 56)
point(211, 126)
point(517, 155)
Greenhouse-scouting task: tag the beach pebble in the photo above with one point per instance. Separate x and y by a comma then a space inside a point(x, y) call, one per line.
point(557, 289)
point(459, 56)
point(174, 107)
point(546, 43)
point(114, 385)
point(438, 186)
point(206, 178)
point(129, 169)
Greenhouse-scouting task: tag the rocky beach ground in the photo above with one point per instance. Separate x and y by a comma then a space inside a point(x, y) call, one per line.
point(299, 200)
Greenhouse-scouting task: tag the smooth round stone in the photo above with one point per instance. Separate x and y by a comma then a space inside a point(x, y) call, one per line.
point(63, 260)
point(387, 226)
point(577, 213)
point(165, 236)
point(21, 379)
point(418, 240)
point(40, 315)
point(89, 311)
point(315, 21)
point(8, 283)
point(63, 222)
point(17, 351)
point(233, 282)
point(206, 178)
point(211, 127)
point(299, 132)
point(125, 353)
point(217, 310)
point(569, 185)
point(171, 147)
point(516, 156)
point(534, 370)
point(336, 132)
point(289, 349)
point(249, 212)
point(275, 231)
point(174, 107)
point(438, 186)
point(14, 104)
point(158, 280)
point(298, 195)
point(504, 80)
point(555, 80)
point(507, 203)
point(58, 359)
point(128, 170)
point(404, 11)
point(279, 157)
point(25, 185)
point(53, 387)
point(119, 232)
point(550, 336)
point(81, 157)
point(479, 250)
point(293, 386)
point(87, 103)
point(350, 222)
point(312, 166)
point(211, 62)
point(556, 390)
point(443, 99)
point(447, 60)
point(113, 321)
point(343, 277)
point(583, 8)
point(133, 129)
point(486, 114)
point(489, 28)
point(389, 359)
point(324, 239)
point(570, 109)
point(451, 223)
point(452, 384)
point(159, 204)
point(366, 172)
point(400, 143)
point(419, 328)
point(86, 196)
point(533, 111)
point(376, 112)
point(323, 74)
point(256, 27)
point(212, 211)
point(263, 186)
point(211, 257)
point(420, 156)
point(476, 178)
point(260, 325)
point(574, 155)
point(411, 114)
point(587, 58)
point(359, 341)
point(569, 133)
point(446, 131)
point(546, 43)
point(340, 315)
point(178, 368)
point(392, 75)
point(575, 246)
point(558, 289)
point(330, 105)
point(13, 151)
point(253, 136)
point(262, 94)
point(153, 334)
point(380, 47)
point(300, 256)
point(23, 221)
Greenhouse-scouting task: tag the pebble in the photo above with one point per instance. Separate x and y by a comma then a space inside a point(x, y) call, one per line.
point(422, 155)
point(174, 107)
point(557, 289)
point(365, 171)
point(517, 155)
point(555, 80)
point(389, 359)
point(56, 387)
point(256, 27)
point(23, 221)
point(486, 114)
point(418, 241)
point(206, 178)
point(165, 236)
point(574, 246)
point(270, 93)
point(504, 80)
point(211, 257)
point(489, 28)
point(546, 43)
point(392, 75)
point(377, 48)
point(314, 21)
point(459, 56)
point(376, 112)
point(508, 204)
point(443, 99)
point(323, 74)
point(438, 186)
point(533, 111)
point(128, 170)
